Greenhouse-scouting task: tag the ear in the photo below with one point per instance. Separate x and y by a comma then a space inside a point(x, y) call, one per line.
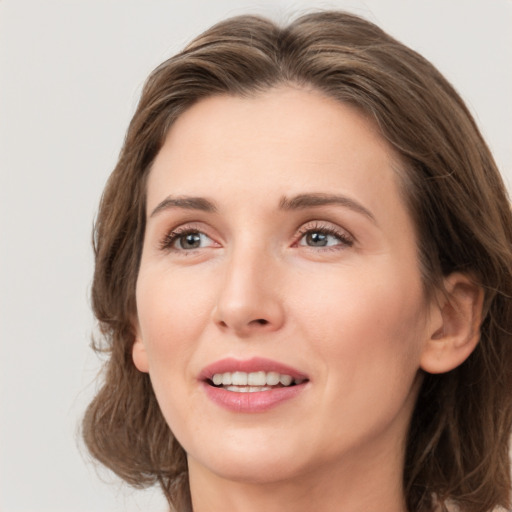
point(455, 325)
point(139, 354)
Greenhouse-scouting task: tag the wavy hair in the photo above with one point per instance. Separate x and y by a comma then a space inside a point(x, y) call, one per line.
point(457, 445)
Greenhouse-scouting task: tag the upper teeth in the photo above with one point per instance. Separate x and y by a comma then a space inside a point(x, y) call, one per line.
point(252, 379)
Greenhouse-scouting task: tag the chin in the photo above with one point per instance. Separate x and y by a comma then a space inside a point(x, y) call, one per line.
point(251, 461)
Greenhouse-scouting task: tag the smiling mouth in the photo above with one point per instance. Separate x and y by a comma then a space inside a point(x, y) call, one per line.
point(243, 382)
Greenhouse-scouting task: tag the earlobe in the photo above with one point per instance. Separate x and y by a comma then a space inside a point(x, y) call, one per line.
point(139, 355)
point(455, 326)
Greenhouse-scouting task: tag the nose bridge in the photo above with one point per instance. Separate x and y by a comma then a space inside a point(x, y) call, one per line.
point(249, 299)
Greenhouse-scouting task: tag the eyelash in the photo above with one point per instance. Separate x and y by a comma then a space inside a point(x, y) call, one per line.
point(346, 240)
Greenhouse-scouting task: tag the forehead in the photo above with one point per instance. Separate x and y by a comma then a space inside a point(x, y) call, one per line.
point(282, 142)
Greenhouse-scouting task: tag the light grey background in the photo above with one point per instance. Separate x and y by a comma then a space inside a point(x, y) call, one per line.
point(70, 75)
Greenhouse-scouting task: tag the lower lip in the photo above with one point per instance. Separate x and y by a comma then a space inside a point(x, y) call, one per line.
point(252, 402)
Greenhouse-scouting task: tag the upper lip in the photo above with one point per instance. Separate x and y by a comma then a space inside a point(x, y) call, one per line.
point(254, 364)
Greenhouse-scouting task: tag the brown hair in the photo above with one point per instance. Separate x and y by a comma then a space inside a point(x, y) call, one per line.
point(457, 447)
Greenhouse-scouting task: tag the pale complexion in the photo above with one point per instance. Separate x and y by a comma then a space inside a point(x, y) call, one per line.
point(276, 229)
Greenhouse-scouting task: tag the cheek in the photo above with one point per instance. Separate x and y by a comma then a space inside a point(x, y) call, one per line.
point(367, 335)
point(366, 319)
point(172, 313)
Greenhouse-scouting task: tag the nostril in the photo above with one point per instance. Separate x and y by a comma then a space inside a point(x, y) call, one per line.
point(258, 321)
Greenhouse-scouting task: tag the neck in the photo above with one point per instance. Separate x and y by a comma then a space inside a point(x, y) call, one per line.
point(369, 483)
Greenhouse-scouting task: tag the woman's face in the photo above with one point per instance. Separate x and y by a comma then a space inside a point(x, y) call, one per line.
point(278, 247)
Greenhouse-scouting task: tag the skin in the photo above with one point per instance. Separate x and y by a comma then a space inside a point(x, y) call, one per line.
point(352, 315)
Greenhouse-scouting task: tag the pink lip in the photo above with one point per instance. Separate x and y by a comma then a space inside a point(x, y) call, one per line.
point(259, 401)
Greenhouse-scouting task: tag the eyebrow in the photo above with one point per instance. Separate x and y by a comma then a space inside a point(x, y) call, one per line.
point(304, 201)
point(186, 203)
point(298, 202)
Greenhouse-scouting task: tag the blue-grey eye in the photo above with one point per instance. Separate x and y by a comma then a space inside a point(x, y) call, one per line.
point(319, 239)
point(192, 240)
point(316, 239)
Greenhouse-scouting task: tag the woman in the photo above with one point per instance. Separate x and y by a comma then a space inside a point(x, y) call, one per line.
point(303, 277)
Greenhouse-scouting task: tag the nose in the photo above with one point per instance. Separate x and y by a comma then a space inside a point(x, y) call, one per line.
point(249, 300)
